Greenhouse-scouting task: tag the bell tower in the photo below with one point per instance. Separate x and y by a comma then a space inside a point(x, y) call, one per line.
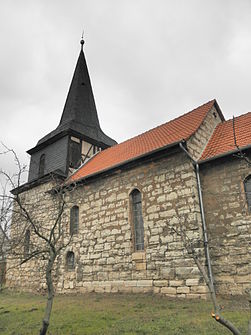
point(77, 137)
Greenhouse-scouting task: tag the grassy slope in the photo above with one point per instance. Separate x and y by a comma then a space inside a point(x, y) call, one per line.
point(21, 314)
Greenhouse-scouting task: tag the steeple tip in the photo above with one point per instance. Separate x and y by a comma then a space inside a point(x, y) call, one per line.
point(82, 42)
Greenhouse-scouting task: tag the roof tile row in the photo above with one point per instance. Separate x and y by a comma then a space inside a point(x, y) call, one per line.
point(181, 128)
point(223, 139)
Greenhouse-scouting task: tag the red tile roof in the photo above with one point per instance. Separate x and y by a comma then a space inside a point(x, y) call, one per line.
point(169, 133)
point(222, 140)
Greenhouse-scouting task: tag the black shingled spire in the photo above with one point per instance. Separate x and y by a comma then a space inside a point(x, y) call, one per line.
point(64, 147)
point(80, 105)
point(80, 113)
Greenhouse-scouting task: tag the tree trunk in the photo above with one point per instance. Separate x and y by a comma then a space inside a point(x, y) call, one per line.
point(50, 288)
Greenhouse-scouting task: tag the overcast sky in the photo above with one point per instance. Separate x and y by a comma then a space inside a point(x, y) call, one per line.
point(149, 61)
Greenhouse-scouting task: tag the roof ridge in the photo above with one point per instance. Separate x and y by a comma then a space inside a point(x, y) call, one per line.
point(176, 118)
point(236, 117)
point(228, 121)
point(161, 125)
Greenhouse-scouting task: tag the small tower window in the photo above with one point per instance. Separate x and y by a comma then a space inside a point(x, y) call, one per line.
point(74, 154)
point(27, 243)
point(70, 260)
point(247, 184)
point(137, 220)
point(41, 165)
point(74, 220)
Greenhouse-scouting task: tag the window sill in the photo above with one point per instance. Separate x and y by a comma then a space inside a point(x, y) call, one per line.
point(138, 256)
point(139, 259)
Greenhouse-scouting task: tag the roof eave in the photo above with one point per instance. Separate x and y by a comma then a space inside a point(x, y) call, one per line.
point(36, 182)
point(116, 166)
point(58, 136)
point(47, 142)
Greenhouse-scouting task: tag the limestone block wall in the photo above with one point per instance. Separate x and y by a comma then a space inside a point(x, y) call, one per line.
point(229, 223)
point(105, 259)
point(197, 143)
point(43, 209)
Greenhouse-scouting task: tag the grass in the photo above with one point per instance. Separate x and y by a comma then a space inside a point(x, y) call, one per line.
point(128, 314)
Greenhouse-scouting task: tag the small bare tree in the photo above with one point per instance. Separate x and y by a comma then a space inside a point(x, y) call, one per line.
point(7, 244)
point(46, 236)
point(5, 210)
point(191, 247)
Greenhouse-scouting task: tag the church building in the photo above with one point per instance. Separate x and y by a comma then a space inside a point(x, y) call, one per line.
point(128, 200)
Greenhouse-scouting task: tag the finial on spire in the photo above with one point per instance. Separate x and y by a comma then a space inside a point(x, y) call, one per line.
point(82, 40)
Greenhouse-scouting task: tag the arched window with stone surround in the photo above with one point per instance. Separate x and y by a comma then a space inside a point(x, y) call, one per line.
point(27, 243)
point(70, 260)
point(74, 220)
point(41, 165)
point(247, 185)
point(137, 220)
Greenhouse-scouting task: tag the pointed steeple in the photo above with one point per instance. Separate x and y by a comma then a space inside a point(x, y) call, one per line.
point(80, 114)
point(80, 105)
point(77, 137)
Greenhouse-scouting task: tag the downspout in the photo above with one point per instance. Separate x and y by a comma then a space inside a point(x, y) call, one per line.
point(204, 227)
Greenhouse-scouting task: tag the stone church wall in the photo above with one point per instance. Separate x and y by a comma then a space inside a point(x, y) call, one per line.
point(42, 208)
point(104, 249)
point(229, 223)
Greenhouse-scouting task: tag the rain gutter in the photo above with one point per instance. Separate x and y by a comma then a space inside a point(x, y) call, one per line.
point(204, 227)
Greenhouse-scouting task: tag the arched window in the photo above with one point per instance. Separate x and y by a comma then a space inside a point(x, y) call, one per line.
point(27, 243)
point(74, 218)
point(70, 260)
point(137, 220)
point(247, 184)
point(41, 165)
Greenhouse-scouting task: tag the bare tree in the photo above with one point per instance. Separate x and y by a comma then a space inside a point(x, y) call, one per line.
point(193, 251)
point(190, 245)
point(37, 237)
point(191, 248)
point(6, 182)
point(5, 209)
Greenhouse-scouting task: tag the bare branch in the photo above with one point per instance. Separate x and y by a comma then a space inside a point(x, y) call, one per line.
point(189, 246)
point(240, 154)
point(46, 235)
